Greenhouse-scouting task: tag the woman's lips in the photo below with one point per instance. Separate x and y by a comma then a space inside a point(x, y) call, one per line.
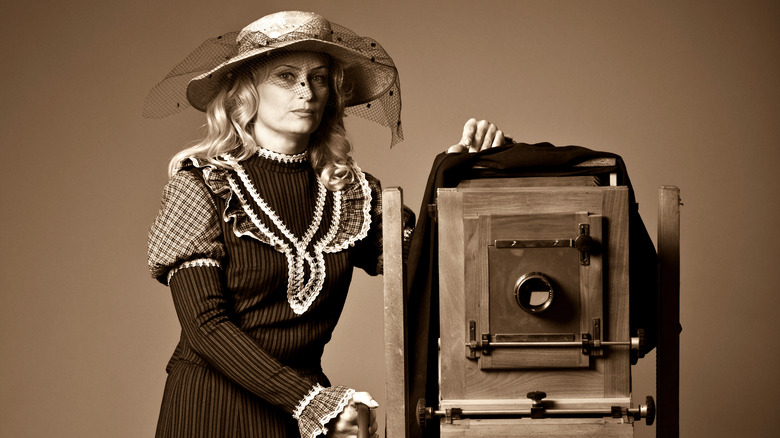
point(304, 112)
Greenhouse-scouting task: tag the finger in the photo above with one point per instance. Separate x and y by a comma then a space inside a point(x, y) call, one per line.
point(456, 148)
point(349, 415)
point(364, 421)
point(365, 398)
point(342, 426)
point(499, 139)
point(490, 135)
point(372, 420)
point(469, 129)
point(479, 135)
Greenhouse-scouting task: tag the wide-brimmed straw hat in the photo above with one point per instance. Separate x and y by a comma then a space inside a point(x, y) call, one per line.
point(373, 83)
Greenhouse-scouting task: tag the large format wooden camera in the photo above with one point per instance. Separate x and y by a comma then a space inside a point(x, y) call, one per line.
point(535, 319)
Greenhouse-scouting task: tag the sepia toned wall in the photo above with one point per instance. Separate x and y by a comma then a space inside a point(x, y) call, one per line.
point(686, 91)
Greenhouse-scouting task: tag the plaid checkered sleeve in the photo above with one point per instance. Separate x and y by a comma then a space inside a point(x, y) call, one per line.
point(319, 407)
point(186, 228)
point(369, 249)
point(371, 259)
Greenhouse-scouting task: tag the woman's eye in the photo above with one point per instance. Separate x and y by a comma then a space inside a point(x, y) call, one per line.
point(320, 79)
point(286, 76)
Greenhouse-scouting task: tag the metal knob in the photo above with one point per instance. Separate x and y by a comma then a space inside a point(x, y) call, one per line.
point(537, 410)
point(424, 413)
point(646, 411)
point(536, 397)
point(584, 243)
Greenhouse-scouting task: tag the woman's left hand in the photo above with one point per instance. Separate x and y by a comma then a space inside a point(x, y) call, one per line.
point(478, 135)
point(345, 425)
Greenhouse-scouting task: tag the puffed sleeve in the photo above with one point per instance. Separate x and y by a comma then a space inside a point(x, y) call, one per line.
point(368, 252)
point(186, 230)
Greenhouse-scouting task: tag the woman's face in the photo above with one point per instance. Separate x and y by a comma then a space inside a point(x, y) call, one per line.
point(292, 96)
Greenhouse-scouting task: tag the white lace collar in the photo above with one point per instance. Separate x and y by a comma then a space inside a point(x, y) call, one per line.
point(282, 158)
point(350, 222)
point(301, 291)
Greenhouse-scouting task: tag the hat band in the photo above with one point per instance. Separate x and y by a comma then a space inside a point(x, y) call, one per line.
point(254, 40)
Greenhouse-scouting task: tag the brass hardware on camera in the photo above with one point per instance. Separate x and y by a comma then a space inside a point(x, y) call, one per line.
point(538, 410)
point(644, 411)
point(583, 243)
point(590, 343)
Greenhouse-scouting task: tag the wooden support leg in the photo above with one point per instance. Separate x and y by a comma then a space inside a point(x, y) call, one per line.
point(668, 350)
point(395, 316)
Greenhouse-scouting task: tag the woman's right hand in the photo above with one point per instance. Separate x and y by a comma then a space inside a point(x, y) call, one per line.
point(346, 424)
point(478, 135)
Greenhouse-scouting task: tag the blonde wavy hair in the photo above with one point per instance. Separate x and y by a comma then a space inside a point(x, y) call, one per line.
point(230, 122)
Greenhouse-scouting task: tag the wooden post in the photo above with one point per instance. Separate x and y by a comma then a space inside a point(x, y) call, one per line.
point(668, 354)
point(396, 368)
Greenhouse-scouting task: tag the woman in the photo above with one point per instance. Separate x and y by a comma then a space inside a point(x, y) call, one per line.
point(264, 219)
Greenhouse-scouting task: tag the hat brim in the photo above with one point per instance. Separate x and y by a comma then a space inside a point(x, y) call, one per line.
point(370, 77)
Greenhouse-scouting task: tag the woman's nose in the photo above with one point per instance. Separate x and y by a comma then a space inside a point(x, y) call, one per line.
point(304, 90)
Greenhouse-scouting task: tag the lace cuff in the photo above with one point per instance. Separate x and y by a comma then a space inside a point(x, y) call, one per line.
point(319, 407)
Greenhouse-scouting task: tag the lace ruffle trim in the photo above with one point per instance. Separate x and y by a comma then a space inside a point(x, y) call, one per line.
point(357, 197)
point(306, 400)
point(322, 409)
point(282, 158)
point(301, 292)
point(339, 409)
point(351, 221)
point(354, 209)
point(191, 264)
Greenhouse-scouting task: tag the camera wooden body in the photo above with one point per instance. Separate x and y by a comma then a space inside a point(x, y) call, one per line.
point(498, 235)
point(535, 337)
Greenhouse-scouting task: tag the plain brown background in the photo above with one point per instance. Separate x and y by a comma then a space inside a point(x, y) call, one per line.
point(686, 91)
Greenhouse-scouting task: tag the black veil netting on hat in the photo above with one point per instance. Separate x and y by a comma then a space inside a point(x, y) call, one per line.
point(376, 89)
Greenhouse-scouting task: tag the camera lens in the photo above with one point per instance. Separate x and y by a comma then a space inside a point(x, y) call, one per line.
point(534, 292)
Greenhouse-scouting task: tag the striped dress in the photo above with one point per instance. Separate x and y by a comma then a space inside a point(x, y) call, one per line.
point(258, 259)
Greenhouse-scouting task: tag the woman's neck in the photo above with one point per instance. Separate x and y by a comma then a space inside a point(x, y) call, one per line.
point(282, 144)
